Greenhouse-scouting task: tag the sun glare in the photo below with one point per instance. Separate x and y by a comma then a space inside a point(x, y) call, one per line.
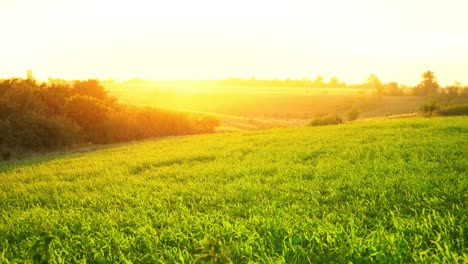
point(219, 39)
point(233, 131)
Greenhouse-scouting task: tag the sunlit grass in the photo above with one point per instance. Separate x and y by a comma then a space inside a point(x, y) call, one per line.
point(392, 191)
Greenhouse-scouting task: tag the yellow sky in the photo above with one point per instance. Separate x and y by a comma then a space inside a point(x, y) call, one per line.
point(395, 39)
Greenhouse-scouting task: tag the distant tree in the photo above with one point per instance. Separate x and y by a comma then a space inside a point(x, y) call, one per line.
point(29, 75)
point(91, 88)
point(393, 89)
point(57, 81)
point(373, 82)
point(319, 82)
point(454, 110)
point(452, 91)
point(428, 85)
point(334, 82)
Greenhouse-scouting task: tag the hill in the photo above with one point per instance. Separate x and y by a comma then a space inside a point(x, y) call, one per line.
point(391, 191)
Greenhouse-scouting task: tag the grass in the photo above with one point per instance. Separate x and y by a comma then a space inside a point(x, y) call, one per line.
point(275, 103)
point(388, 191)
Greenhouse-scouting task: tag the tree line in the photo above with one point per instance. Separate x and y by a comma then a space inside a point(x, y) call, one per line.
point(427, 87)
point(43, 116)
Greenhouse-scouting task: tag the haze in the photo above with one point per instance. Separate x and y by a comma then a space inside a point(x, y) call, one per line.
point(397, 40)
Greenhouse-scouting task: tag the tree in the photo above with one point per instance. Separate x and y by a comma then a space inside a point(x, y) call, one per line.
point(319, 82)
point(373, 82)
point(393, 89)
point(334, 82)
point(29, 74)
point(428, 85)
point(452, 91)
point(92, 88)
point(86, 111)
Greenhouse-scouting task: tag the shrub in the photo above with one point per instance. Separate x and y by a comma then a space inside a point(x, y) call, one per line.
point(91, 88)
point(353, 114)
point(429, 109)
point(454, 110)
point(89, 113)
point(59, 113)
point(206, 124)
point(326, 120)
point(5, 154)
point(48, 133)
point(32, 131)
point(6, 138)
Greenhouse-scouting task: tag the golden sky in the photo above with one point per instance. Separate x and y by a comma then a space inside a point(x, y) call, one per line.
point(175, 39)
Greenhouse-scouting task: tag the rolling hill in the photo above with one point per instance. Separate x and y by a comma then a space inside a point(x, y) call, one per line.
point(387, 191)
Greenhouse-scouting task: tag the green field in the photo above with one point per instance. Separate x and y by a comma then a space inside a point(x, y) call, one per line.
point(388, 191)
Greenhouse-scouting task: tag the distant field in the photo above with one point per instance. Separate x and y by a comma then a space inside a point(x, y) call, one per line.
point(264, 106)
point(270, 106)
point(287, 110)
point(388, 191)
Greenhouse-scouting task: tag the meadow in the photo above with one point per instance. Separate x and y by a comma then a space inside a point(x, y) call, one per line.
point(386, 191)
point(258, 106)
point(267, 107)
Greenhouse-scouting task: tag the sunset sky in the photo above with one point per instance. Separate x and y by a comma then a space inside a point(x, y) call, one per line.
point(395, 39)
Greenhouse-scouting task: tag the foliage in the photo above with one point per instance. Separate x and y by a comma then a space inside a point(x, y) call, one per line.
point(86, 111)
point(318, 82)
point(59, 113)
point(353, 114)
point(453, 94)
point(393, 89)
point(326, 120)
point(454, 110)
point(91, 88)
point(33, 131)
point(429, 109)
point(428, 85)
point(393, 191)
point(373, 82)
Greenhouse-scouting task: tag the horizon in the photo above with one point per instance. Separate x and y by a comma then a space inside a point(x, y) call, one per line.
point(232, 78)
point(212, 40)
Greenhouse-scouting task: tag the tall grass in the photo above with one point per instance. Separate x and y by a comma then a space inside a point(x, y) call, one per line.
point(393, 191)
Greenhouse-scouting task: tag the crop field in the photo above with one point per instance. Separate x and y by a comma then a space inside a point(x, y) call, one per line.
point(387, 191)
point(271, 106)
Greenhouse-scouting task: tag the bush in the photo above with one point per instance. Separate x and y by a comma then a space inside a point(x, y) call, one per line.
point(326, 120)
point(58, 114)
point(89, 113)
point(91, 88)
point(7, 137)
point(32, 131)
point(454, 110)
point(429, 109)
point(353, 114)
point(206, 124)
point(40, 132)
